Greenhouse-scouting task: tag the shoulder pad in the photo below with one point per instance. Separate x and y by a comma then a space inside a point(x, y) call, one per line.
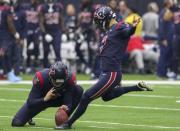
point(38, 80)
point(72, 79)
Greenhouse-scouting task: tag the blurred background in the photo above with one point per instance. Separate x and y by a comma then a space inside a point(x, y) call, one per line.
point(50, 30)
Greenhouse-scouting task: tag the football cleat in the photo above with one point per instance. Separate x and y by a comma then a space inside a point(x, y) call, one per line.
point(144, 86)
point(31, 122)
point(64, 126)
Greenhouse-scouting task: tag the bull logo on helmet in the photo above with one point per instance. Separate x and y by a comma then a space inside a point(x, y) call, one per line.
point(99, 15)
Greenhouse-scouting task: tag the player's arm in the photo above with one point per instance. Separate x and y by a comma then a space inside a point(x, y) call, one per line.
point(36, 97)
point(41, 23)
point(126, 30)
point(61, 23)
point(41, 19)
point(67, 99)
point(11, 26)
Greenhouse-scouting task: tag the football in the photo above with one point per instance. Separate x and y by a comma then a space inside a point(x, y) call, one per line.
point(60, 116)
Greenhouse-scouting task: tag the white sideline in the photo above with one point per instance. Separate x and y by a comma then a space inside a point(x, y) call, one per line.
point(110, 123)
point(110, 106)
point(85, 82)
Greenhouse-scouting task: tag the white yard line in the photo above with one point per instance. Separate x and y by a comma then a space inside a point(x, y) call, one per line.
point(136, 107)
point(178, 101)
point(111, 106)
point(131, 95)
point(15, 89)
point(102, 127)
point(89, 82)
point(111, 123)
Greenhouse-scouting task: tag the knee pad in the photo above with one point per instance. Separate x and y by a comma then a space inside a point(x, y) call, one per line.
point(17, 123)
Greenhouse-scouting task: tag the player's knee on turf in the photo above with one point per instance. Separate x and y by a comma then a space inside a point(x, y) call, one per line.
point(17, 123)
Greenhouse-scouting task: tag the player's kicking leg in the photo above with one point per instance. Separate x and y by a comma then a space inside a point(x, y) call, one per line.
point(107, 84)
point(118, 90)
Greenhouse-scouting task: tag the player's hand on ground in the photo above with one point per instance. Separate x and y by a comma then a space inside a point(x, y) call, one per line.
point(64, 107)
point(50, 95)
point(136, 21)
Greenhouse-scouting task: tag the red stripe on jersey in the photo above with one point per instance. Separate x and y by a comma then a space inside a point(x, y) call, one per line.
point(72, 81)
point(40, 77)
point(119, 25)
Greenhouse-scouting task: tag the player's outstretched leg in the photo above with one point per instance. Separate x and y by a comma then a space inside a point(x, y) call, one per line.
point(118, 91)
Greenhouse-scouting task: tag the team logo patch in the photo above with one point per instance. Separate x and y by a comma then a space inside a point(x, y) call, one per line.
point(35, 80)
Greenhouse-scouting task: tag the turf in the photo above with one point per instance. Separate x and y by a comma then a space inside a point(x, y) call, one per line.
point(125, 77)
point(139, 111)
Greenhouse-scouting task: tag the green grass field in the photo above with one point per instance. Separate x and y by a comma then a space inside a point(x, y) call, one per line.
point(139, 111)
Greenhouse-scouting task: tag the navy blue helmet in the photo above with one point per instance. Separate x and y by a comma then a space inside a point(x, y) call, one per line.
point(102, 17)
point(58, 74)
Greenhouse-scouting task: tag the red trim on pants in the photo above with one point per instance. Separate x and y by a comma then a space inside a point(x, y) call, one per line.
point(106, 86)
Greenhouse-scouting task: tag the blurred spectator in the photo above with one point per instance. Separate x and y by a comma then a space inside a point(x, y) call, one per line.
point(51, 27)
point(123, 9)
point(74, 33)
point(113, 4)
point(135, 46)
point(71, 21)
point(86, 24)
point(165, 40)
point(33, 33)
point(150, 22)
point(176, 45)
point(20, 25)
point(7, 31)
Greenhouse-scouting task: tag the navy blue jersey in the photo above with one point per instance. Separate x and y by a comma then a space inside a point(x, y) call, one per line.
point(176, 19)
point(5, 11)
point(32, 17)
point(52, 14)
point(113, 46)
point(42, 84)
point(165, 27)
point(42, 81)
point(20, 22)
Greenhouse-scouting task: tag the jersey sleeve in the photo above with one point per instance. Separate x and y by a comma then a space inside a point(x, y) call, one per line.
point(67, 99)
point(38, 80)
point(36, 97)
point(72, 81)
point(124, 30)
